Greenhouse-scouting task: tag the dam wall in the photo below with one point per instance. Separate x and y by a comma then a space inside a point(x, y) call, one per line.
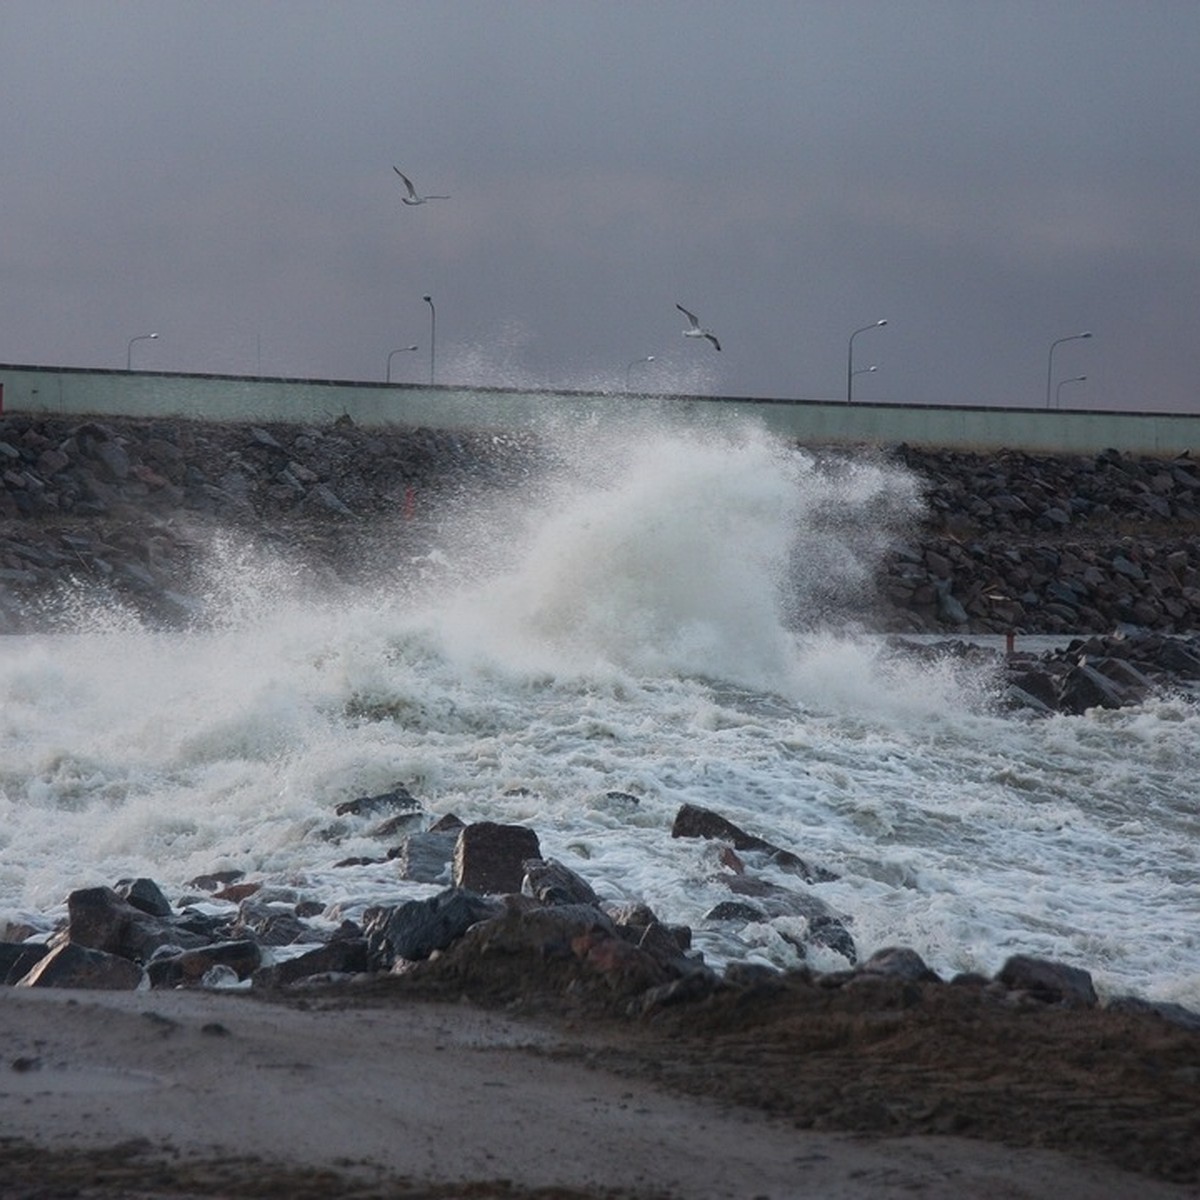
point(100, 393)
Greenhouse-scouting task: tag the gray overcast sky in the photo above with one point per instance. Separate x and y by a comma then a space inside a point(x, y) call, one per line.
point(988, 175)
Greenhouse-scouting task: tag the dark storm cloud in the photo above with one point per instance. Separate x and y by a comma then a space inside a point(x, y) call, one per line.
point(989, 177)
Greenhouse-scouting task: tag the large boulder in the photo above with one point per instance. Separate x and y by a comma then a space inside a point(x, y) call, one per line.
point(490, 858)
point(1049, 982)
point(414, 930)
point(99, 919)
point(75, 966)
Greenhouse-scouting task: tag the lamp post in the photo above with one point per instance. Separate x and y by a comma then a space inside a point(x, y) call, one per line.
point(649, 358)
point(141, 337)
point(1061, 382)
point(398, 350)
point(1074, 337)
point(432, 336)
point(850, 372)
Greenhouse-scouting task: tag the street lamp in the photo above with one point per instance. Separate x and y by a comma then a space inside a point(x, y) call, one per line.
point(1074, 337)
point(865, 370)
point(399, 350)
point(649, 358)
point(432, 336)
point(141, 337)
point(850, 372)
point(1058, 390)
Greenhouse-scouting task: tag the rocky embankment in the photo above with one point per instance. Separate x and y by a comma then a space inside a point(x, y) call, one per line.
point(1042, 544)
point(124, 515)
point(127, 510)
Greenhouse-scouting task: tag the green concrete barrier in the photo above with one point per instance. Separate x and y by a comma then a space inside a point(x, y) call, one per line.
point(96, 393)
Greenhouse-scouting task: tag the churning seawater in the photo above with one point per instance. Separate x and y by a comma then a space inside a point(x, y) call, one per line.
point(649, 618)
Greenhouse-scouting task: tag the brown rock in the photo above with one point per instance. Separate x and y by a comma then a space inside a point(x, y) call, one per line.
point(75, 966)
point(490, 858)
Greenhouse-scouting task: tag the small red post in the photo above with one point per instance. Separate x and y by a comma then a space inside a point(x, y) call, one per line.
point(1010, 639)
point(1, 399)
point(410, 502)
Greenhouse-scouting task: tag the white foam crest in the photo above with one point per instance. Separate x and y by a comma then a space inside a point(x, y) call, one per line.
point(679, 553)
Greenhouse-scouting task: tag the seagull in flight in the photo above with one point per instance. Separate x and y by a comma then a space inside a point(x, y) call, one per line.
point(413, 197)
point(695, 330)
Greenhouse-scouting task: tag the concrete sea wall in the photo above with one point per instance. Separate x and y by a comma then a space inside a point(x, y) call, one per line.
point(73, 391)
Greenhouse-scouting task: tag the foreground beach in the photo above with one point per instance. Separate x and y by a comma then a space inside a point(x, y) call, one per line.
point(372, 1092)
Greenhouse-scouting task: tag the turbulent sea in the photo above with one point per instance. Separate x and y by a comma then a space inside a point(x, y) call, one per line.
point(657, 616)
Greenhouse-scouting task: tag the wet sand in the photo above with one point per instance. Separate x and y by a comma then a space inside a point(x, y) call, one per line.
point(193, 1093)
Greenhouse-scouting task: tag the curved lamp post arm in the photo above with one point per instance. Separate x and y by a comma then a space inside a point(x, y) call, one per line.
point(1073, 337)
point(398, 350)
point(850, 372)
point(141, 337)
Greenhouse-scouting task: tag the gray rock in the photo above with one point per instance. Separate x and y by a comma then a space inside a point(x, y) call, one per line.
point(898, 962)
point(398, 800)
point(342, 956)
point(425, 857)
point(692, 821)
point(144, 894)
point(549, 882)
point(1085, 687)
point(414, 930)
point(189, 968)
point(1049, 982)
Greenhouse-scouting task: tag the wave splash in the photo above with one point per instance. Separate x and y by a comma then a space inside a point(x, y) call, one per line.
point(692, 553)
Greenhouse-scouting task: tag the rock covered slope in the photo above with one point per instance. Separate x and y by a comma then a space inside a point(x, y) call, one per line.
point(127, 511)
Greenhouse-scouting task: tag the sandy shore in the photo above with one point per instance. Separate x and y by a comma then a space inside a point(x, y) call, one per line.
point(420, 1098)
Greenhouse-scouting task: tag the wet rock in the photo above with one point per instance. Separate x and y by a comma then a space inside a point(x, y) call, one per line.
point(341, 956)
point(490, 858)
point(74, 966)
point(144, 894)
point(575, 945)
point(549, 882)
point(425, 857)
point(1084, 687)
point(214, 880)
point(189, 968)
point(17, 959)
point(270, 925)
point(414, 930)
point(692, 821)
point(898, 962)
point(738, 911)
point(397, 801)
point(99, 919)
point(1049, 982)
point(1173, 1014)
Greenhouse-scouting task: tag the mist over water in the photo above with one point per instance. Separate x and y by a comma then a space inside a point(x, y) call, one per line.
point(656, 615)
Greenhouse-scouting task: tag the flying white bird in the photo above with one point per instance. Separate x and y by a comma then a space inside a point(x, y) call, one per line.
point(695, 330)
point(413, 197)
